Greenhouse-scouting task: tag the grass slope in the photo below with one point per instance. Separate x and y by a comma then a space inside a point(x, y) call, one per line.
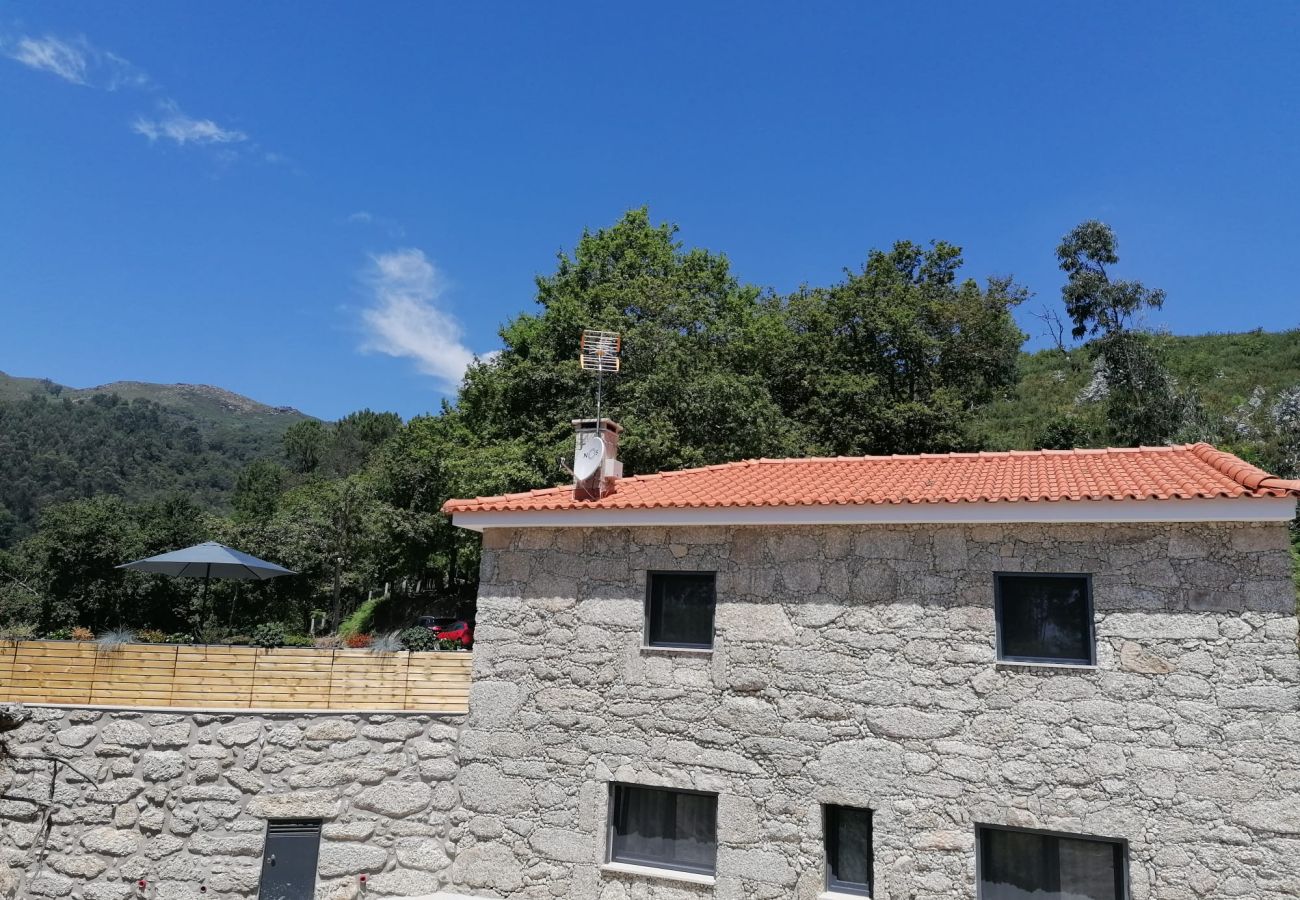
point(1225, 369)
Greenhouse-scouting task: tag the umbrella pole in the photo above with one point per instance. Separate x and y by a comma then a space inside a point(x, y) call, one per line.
point(230, 620)
point(203, 603)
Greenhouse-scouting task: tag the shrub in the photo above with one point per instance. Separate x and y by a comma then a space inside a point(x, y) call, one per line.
point(449, 644)
point(180, 637)
point(13, 633)
point(328, 642)
point(362, 618)
point(386, 643)
point(82, 634)
point(151, 636)
point(418, 638)
point(358, 641)
point(59, 634)
point(270, 634)
point(237, 640)
point(299, 640)
point(219, 634)
point(114, 638)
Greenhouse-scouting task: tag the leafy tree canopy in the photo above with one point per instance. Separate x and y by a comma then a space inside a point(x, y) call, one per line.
point(903, 354)
point(1095, 303)
point(892, 359)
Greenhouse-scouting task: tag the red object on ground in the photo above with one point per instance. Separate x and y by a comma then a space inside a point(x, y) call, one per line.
point(449, 629)
point(455, 630)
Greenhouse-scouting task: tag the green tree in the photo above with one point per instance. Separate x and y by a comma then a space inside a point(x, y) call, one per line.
point(257, 491)
point(8, 526)
point(304, 445)
point(1096, 304)
point(432, 460)
point(897, 357)
point(1143, 402)
point(690, 391)
point(75, 552)
point(20, 598)
point(354, 439)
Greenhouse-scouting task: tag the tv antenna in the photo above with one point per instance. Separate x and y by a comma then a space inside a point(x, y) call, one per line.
point(600, 354)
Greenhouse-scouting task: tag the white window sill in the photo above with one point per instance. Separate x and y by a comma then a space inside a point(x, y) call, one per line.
point(1018, 664)
point(653, 872)
point(655, 650)
point(838, 895)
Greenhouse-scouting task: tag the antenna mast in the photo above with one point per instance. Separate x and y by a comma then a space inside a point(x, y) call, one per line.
point(600, 354)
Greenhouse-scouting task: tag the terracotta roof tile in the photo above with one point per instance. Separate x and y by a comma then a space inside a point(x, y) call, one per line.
point(1017, 476)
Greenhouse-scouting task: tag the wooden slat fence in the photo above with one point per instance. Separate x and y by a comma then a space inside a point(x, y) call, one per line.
point(218, 677)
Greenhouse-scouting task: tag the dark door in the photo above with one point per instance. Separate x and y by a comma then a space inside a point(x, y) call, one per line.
point(289, 860)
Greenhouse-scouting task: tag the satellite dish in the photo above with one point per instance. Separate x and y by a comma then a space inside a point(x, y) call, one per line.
point(590, 456)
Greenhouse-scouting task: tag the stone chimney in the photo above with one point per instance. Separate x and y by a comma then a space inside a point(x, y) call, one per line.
point(595, 458)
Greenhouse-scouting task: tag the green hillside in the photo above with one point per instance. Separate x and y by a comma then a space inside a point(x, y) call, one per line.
point(129, 439)
point(207, 407)
point(1223, 370)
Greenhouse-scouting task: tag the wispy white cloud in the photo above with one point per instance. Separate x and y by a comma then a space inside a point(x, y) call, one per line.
point(362, 217)
point(52, 55)
point(405, 319)
point(182, 129)
point(75, 60)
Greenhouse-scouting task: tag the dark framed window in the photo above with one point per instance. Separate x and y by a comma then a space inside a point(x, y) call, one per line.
point(1045, 618)
point(679, 609)
point(848, 850)
point(289, 859)
point(1018, 864)
point(667, 829)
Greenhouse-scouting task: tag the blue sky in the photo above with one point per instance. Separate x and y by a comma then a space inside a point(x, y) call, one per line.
point(333, 206)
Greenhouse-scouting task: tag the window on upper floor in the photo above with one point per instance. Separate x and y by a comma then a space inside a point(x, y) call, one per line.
point(664, 828)
point(679, 609)
point(847, 833)
point(1014, 865)
point(1045, 619)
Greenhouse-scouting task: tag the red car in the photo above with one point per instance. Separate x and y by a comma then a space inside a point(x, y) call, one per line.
point(450, 629)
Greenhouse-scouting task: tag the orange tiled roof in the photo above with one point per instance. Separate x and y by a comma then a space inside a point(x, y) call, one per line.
point(1140, 473)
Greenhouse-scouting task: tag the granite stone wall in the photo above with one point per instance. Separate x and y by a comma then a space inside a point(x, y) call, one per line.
point(182, 801)
point(857, 665)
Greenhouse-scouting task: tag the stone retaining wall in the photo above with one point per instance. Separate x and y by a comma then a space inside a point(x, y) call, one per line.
point(857, 665)
point(181, 801)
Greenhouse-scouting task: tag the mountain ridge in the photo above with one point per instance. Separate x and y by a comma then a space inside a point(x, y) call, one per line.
point(208, 404)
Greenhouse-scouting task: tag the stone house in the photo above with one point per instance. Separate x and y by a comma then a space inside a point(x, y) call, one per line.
point(1055, 674)
point(998, 676)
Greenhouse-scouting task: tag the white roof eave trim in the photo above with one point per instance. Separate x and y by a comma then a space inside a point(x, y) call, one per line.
point(1220, 509)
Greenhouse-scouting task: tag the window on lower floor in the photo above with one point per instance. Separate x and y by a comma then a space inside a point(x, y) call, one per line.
point(679, 609)
point(289, 859)
point(668, 829)
point(1017, 865)
point(848, 850)
point(1045, 618)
